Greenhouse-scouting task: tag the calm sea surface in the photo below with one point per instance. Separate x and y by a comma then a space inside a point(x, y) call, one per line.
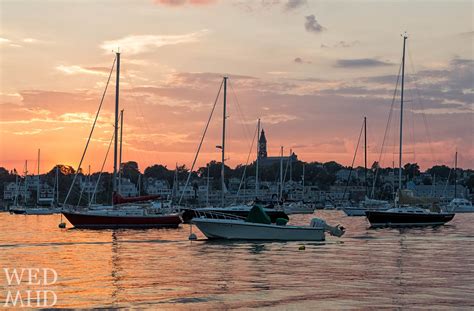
point(431, 268)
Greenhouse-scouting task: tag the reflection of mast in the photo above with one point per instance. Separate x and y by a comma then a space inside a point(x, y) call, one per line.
point(115, 270)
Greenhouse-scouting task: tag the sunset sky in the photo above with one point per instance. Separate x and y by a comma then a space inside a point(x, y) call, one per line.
point(311, 70)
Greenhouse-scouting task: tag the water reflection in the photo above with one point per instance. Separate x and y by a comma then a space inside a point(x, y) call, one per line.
point(394, 268)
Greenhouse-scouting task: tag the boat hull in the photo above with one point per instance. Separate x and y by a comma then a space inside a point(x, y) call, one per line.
point(464, 209)
point(87, 221)
point(189, 214)
point(41, 211)
point(353, 211)
point(388, 219)
point(240, 230)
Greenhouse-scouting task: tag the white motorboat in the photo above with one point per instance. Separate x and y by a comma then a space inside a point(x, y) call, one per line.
point(237, 228)
point(460, 205)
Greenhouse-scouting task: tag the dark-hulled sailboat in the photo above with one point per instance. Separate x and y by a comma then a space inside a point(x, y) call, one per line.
point(406, 212)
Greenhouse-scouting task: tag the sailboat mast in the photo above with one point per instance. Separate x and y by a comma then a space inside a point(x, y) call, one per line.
point(116, 122)
point(57, 184)
point(38, 184)
point(26, 181)
point(223, 141)
point(281, 173)
point(302, 177)
point(120, 153)
point(17, 189)
point(291, 165)
point(405, 37)
point(365, 156)
point(88, 184)
point(207, 187)
point(256, 162)
point(455, 174)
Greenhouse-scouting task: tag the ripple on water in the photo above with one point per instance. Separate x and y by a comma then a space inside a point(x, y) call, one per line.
point(367, 268)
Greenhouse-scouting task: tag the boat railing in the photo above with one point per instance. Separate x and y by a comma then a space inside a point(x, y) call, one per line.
point(217, 215)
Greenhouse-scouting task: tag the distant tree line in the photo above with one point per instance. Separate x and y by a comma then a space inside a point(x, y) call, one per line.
point(322, 175)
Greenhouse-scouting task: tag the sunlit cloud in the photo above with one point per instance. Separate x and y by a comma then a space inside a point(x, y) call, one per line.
point(136, 44)
point(37, 131)
point(278, 118)
point(31, 40)
point(4, 40)
point(74, 69)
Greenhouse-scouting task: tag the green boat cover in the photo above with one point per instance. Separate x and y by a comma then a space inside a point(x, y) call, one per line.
point(258, 215)
point(281, 222)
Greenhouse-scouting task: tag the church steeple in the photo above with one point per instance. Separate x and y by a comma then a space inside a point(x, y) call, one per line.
point(262, 141)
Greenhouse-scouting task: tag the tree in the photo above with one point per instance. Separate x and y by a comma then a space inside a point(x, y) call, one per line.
point(130, 170)
point(470, 183)
point(411, 170)
point(441, 171)
point(332, 167)
point(158, 171)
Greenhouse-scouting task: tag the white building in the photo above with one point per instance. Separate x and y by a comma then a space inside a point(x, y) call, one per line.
point(158, 187)
point(127, 188)
point(439, 191)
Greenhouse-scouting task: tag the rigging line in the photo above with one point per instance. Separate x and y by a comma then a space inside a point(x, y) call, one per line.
point(241, 115)
point(92, 130)
point(353, 160)
point(386, 130)
point(286, 168)
point(447, 180)
point(428, 133)
point(246, 164)
point(80, 197)
point(101, 170)
point(139, 114)
point(200, 144)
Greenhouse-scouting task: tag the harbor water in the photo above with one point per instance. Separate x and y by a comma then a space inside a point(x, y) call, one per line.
point(426, 268)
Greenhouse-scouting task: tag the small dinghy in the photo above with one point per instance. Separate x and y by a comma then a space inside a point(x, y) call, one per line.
point(257, 226)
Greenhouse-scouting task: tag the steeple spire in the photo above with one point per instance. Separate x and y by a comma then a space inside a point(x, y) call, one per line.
point(262, 150)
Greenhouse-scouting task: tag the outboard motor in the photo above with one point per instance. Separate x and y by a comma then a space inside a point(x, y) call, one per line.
point(337, 230)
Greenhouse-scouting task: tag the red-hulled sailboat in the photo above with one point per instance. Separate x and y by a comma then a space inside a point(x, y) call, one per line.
point(136, 212)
